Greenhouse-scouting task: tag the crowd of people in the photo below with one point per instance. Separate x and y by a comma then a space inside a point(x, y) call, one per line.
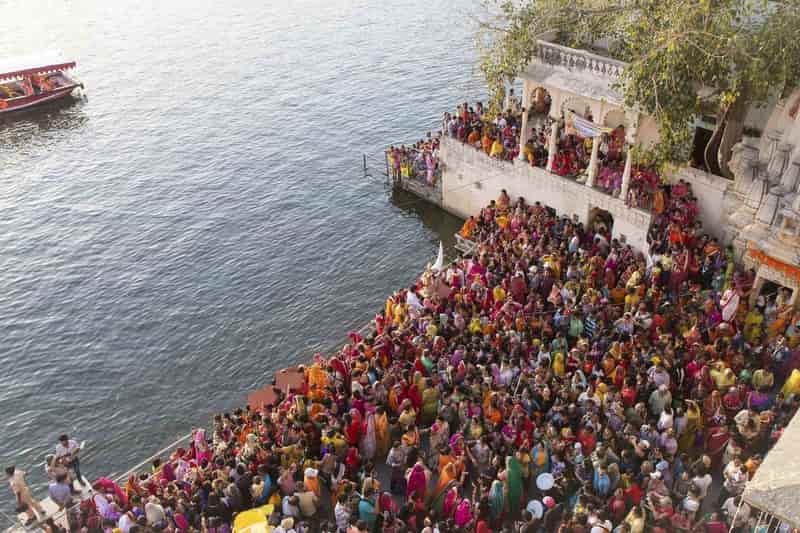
point(499, 139)
point(556, 380)
point(419, 161)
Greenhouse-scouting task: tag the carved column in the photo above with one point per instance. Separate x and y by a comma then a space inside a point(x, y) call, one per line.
point(552, 145)
point(523, 134)
point(593, 163)
point(626, 174)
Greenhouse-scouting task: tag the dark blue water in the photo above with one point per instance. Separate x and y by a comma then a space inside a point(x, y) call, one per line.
point(203, 218)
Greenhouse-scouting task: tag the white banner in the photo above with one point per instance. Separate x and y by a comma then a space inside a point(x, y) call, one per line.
point(586, 128)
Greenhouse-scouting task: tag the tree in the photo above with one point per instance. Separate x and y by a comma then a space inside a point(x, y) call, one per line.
point(686, 58)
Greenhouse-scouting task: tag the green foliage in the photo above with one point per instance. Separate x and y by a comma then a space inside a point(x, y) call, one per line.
point(684, 56)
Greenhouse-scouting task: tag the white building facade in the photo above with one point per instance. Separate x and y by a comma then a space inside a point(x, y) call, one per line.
point(758, 212)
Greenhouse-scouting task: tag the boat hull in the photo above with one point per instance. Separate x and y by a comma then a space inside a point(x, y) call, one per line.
point(28, 102)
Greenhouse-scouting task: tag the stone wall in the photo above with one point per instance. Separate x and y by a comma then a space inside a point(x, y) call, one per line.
point(470, 180)
point(422, 189)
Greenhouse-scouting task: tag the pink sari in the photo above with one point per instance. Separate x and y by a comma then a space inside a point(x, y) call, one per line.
point(417, 482)
point(463, 513)
point(202, 451)
point(450, 501)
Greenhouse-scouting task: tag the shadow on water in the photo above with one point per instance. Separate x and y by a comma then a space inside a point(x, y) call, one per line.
point(20, 128)
point(433, 217)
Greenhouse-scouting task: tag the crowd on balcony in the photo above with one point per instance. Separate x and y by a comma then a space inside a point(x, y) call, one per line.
point(554, 380)
point(497, 138)
point(419, 161)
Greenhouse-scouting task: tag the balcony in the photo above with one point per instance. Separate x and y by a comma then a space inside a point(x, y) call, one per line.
point(572, 58)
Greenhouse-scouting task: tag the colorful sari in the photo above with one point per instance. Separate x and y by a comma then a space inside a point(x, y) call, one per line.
point(496, 500)
point(416, 482)
point(386, 503)
point(513, 484)
point(716, 441)
point(202, 451)
point(369, 440)
point(444, 505)
point(463, 514)
point(694, 423)
point(382, 437)
point(430, 405)
point(447, 475)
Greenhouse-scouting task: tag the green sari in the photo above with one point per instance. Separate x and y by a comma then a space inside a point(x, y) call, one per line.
point(513, 484)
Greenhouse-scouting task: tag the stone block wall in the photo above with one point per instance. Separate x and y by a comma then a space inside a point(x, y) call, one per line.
point(470, 180)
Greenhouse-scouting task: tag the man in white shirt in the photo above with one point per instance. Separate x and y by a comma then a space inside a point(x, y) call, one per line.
point(154, 512)
point(126, 522)
point(342, 513)
point(16, 479)
point(67, 451)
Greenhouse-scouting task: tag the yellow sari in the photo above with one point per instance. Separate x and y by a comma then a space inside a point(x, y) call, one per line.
point(497, 149)
point(382, 436)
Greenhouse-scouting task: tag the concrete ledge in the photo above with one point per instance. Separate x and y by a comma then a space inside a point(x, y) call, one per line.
point(423, 190)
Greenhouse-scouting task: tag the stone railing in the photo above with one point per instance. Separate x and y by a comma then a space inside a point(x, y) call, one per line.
point(555, 54)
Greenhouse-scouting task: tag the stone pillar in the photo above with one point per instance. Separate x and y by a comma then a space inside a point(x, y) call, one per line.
point(626, 174)
point(592, 171)
point(552, 145)
point(758, 285)
point(523, 133)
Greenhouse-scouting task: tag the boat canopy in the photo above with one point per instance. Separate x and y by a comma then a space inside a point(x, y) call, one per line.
point(43, 63)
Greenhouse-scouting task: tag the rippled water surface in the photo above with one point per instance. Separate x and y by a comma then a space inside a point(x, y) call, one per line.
point(203, 218)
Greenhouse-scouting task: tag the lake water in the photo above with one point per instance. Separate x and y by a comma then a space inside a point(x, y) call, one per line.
point(203, 219)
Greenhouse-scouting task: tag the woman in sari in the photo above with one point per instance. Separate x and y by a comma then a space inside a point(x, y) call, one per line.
point(463, 514)
point(559, 366)
point(352, 462)
point(468, 228)
point(202, 450)
point(417, 481)
point(444, 501)
point(716, 441)
point(382, 435)
point(386, 503)
point(447, 475)
point(430, 404)
point(497, 501)
point(430, 166)
point(497, 149)
point(132, 487)
point(712, 406)
point(753, 324)
point(540, 460)
point(513, 481)
point(369, 443)
point(694, 423)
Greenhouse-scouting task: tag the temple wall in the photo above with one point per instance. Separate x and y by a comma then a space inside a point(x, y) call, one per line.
point(470, 180)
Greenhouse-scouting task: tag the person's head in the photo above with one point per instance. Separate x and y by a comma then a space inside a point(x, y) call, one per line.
point(64, 439)
point(61, 478)
point(10, 470)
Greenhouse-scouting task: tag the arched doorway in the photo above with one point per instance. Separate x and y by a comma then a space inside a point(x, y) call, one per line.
point(540, 102)
point(601, 221)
